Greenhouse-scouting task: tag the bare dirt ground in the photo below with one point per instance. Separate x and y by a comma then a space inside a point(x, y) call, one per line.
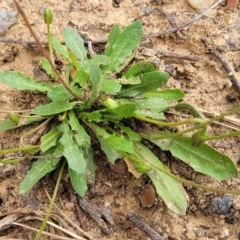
point(205, 82)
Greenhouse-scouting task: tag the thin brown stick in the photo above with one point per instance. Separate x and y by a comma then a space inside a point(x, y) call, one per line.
point(45, 43)
point(180, 34)
point(190, 22)
point(144, 227)
point(44, 52)
point(227, 68)
point(193, 58)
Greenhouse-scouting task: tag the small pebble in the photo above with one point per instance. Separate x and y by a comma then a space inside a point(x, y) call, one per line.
point(221, 205)
point(147, 196)
point(7, 19)
point(200, 4)
point(145, 10)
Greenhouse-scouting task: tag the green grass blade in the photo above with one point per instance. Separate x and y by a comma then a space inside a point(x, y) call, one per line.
point(19, 81)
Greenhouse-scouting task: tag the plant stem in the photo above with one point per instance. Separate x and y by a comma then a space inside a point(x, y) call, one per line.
point(34, 130)
point(45, 53)
point(168, 124)
point(24, 148)
point(44, 223)
point(226, 135)
point(50, 43)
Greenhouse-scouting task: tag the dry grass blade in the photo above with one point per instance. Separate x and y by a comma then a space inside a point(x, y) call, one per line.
point(70, 221)
point(231, 123)
point(72, 234)
point(8, 220)
point(44, 233)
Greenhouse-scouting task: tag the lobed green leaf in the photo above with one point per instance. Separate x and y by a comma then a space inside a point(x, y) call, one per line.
point(79, 181)
point(151, 107)
point(112, 38)
point(80, 135)
point(50, 139)
point(203, 159)
point(122, 45)
point(9, 124)
point(167, 95)
point(47, 67)
point(59, 93)
point(133, 136)
point(60, 49)
point(110, 86)
point(19, 81)
point(150, 81)
point(82, 78)
point(125, 110)
point(53, 108)
point(75, 43)
point(40, 168)
point(95, 79)
point(72, 152)
point(140, 68)
point(170, 190)
point(117, 142)
point(95, 60)
point(110, 152)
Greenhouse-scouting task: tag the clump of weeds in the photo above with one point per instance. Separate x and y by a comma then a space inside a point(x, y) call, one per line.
point(99, 98)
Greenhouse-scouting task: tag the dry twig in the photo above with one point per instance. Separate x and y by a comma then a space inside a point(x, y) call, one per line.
point(227, 68)
point(144, 227)
point(188, 23)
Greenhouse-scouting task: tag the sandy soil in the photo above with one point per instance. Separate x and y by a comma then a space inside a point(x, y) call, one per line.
point(205, 82)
